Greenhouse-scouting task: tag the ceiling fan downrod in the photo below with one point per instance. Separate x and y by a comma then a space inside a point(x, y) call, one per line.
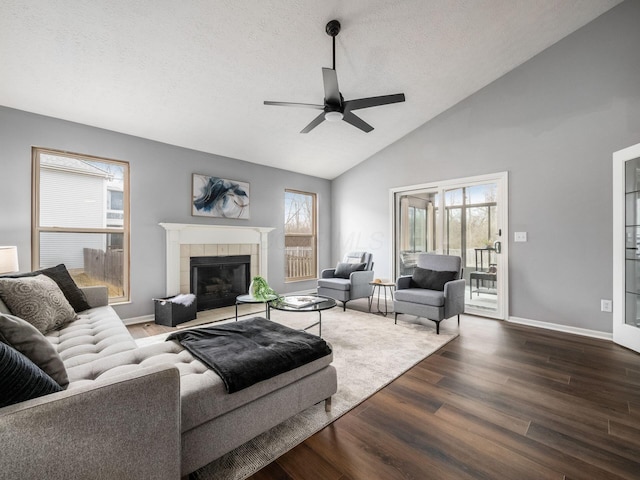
point(333, 29)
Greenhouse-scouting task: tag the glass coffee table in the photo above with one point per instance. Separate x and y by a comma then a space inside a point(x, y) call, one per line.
point(246, 298)
point(304, 303)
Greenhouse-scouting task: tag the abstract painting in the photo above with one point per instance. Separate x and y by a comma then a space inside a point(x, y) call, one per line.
point(218, 197)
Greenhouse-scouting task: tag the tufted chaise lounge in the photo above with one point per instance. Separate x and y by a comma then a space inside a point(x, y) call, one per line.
point(142, 412)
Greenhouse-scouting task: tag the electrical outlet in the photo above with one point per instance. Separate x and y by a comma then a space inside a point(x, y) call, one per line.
point(519, 236)
point(606, 305)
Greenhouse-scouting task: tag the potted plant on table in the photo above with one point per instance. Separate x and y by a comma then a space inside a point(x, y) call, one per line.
point(260, 289)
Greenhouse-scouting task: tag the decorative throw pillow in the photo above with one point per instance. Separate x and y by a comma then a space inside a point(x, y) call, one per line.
point(72, 292)
point(38, 300)
point(432, 279)
point(26, 339)
point(61, 276)
point(344, 270)
point(21, 379)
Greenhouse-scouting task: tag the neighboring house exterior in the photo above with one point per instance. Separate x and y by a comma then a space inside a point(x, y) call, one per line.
point(75, 193)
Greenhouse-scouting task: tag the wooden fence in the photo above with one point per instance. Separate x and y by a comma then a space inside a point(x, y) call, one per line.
point(105, 266)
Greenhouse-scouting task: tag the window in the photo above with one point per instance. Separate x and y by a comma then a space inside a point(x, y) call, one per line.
point(300, 231)
point(81, 218)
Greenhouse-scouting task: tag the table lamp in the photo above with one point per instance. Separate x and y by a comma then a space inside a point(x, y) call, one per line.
point(8, 259)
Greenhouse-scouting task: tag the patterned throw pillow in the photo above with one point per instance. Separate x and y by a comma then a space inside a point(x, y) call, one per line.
point(38, 300)
point(26, 339)
point(62, 277)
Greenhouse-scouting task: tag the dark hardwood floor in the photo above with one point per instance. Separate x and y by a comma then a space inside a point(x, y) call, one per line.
point(501, 401)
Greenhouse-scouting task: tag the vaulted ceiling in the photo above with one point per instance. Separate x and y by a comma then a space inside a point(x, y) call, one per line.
point(195, 73)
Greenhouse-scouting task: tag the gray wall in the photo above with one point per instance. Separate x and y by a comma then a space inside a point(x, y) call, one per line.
point(553, 124)
point(160, 192)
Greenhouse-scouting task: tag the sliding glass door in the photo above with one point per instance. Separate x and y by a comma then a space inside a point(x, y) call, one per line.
point(465, 217)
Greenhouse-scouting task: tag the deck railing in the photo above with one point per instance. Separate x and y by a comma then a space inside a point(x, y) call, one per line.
point(299, 263)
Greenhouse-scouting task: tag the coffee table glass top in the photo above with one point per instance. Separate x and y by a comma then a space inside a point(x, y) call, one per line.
point(246, 298)
point(302, 303)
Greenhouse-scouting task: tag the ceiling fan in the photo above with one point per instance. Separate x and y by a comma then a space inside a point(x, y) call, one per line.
point(335, 107)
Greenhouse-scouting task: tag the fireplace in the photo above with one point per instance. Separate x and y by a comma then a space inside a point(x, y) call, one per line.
point(218, 280)
point(198, 240)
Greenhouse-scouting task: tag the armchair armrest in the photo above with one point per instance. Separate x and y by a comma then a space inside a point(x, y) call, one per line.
point(360, 283)
point(97, 296)
point(403, 282)
point(454, 298)
point(328, 273)
point(124, 427)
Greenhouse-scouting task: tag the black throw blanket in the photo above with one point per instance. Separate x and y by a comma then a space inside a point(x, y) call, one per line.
point(252, 350)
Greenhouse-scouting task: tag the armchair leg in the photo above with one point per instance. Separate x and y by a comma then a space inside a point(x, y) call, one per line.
point(437, 328)
point(458, 319)
point(396, 319)
point(344, 306)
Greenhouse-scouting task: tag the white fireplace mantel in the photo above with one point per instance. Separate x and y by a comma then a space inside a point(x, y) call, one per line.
point(188, 233)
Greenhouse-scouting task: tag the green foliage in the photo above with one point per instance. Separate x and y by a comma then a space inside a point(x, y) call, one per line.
point(261, 289)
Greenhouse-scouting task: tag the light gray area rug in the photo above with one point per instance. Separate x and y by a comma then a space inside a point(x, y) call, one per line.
point(369, 351)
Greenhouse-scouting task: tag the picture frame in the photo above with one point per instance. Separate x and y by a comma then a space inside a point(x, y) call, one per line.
point(218, 197)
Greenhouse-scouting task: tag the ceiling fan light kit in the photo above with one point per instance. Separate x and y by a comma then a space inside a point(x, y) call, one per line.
point(335, 108)
point(333, 116)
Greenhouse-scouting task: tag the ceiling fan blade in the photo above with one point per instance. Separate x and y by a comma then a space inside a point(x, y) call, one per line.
point(314, 123)
point(331, 91)
point(357, 122)
point(294, 104)
point(350, 105)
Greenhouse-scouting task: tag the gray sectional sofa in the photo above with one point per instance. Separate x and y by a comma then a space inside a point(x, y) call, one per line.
point(141, 412)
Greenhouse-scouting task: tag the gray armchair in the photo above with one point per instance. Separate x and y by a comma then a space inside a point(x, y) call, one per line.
point(341, 284)
point(441, 295)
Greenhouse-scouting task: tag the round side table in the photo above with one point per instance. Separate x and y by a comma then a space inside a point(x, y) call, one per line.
point(381, 286)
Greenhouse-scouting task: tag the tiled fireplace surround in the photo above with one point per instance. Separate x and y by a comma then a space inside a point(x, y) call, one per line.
point(194, 240)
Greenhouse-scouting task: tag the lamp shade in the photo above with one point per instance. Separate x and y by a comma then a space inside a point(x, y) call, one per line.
point(8, 259)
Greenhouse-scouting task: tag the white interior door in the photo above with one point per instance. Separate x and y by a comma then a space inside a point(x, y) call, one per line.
point(626, 247)
point(465, 217)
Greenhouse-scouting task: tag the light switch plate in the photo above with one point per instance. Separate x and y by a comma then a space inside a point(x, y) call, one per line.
point(520, 236)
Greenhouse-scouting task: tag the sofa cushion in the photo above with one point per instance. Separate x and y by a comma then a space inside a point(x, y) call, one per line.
point(21, 379)
point(38, 300)
point(202, 391)
point(97, 333)
point(335, 283)
point(59, 274)
point(432, 279)
point(344, 270)
point(26, 339)
point(434, 298)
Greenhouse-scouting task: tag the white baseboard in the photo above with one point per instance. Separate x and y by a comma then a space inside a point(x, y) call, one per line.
point(562, 328)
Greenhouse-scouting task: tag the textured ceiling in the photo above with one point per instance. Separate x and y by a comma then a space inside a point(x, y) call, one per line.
point(195, 73)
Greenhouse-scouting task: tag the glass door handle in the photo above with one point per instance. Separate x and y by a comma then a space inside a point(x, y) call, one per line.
point(497, 246)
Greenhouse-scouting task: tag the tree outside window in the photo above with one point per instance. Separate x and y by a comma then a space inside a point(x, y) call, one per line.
point(300, 232)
